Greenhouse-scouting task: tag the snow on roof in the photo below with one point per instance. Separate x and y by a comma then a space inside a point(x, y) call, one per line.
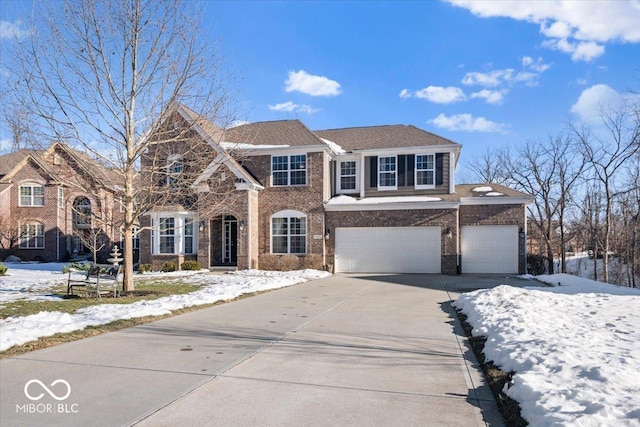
point(494, 193)
point(334, 147)
point(482, 189)
point(243, 146)
point(348, 200)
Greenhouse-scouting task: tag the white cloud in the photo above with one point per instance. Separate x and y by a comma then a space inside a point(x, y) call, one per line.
point(537, 65)
point(586, 51)
point(9, 30)
point(291, 107)
point(491, 96)
point(593, 99)
point(468, 123)
point(5, 145)
point(301, 81)
point(436, 94)
point(497, 78)
point(576, 27)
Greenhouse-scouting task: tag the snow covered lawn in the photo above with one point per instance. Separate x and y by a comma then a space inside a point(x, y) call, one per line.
point(574, 348)
point(34, 281)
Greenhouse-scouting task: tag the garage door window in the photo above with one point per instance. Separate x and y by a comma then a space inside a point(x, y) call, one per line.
point(289, 233)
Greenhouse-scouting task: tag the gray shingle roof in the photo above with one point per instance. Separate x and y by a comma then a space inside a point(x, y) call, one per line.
point(381, 137)
point(281, 132)
point(11, 160)
point(496, 191)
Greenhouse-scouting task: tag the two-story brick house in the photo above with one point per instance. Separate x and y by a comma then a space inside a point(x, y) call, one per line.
point(49, 198)
point(369, 199)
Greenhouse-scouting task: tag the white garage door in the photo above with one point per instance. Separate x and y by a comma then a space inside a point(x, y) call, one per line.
point(387, 250)
point(490, 249)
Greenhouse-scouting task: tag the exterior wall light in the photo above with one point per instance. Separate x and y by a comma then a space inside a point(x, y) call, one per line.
point(241, 224)
point(327, 234)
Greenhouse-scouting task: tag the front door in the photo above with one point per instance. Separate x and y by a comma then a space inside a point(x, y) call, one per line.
point(230, 241)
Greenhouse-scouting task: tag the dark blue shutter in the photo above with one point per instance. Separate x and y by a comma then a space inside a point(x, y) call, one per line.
point(439, 179)
point(411, 163)
point(373, 178)
point(401, 170)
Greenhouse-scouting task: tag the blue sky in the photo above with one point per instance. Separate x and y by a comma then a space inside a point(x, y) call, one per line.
point(484, 74)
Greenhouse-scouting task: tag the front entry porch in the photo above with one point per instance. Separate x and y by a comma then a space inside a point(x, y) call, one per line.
point(224, 241)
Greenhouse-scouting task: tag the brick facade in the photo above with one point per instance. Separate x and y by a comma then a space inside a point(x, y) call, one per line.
point(255, 201)
point(63, 174)
point(443, 218)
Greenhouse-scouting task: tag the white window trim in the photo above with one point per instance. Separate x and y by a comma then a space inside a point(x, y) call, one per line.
point(21, 245)
point(32, 185)
point(173, 177)
point(179, 233)
point(289, 214)
point(288, 170)
point(395, 172)
point(415, 172)
point(60, 197)
point(339, 188)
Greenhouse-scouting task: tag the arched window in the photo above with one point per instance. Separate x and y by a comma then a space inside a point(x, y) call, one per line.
point(289, 233)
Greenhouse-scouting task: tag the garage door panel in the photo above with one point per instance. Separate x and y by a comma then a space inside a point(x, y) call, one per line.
point(387, 249)
point(490, 249)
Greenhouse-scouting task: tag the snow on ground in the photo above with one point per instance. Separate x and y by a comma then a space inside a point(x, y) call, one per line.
point(30, 281)
point(574, 348)
point(25, 281)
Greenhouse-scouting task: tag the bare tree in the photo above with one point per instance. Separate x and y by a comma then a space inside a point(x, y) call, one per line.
point(607, 150)
point(548, 170)
point(99, 73)
point(487, 168)
point(16, 120)
point(93, 226)
point(10, 233)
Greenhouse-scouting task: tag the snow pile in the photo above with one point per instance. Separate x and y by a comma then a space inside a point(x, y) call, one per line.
point(574, 348)
point(19, 330)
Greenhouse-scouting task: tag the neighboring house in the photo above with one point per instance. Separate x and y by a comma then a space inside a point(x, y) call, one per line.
point(52, 200)
point(378, 199)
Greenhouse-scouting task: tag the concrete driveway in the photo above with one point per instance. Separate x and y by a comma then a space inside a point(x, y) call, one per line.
point(346, 350)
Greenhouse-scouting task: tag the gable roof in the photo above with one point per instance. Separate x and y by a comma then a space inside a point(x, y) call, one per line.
point(212, 134)
point(286, 133)
point(11, 163)
point(100, 173)
point(381, 137)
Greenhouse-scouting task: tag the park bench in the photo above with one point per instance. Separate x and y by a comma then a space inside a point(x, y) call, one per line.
point(98, 279)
